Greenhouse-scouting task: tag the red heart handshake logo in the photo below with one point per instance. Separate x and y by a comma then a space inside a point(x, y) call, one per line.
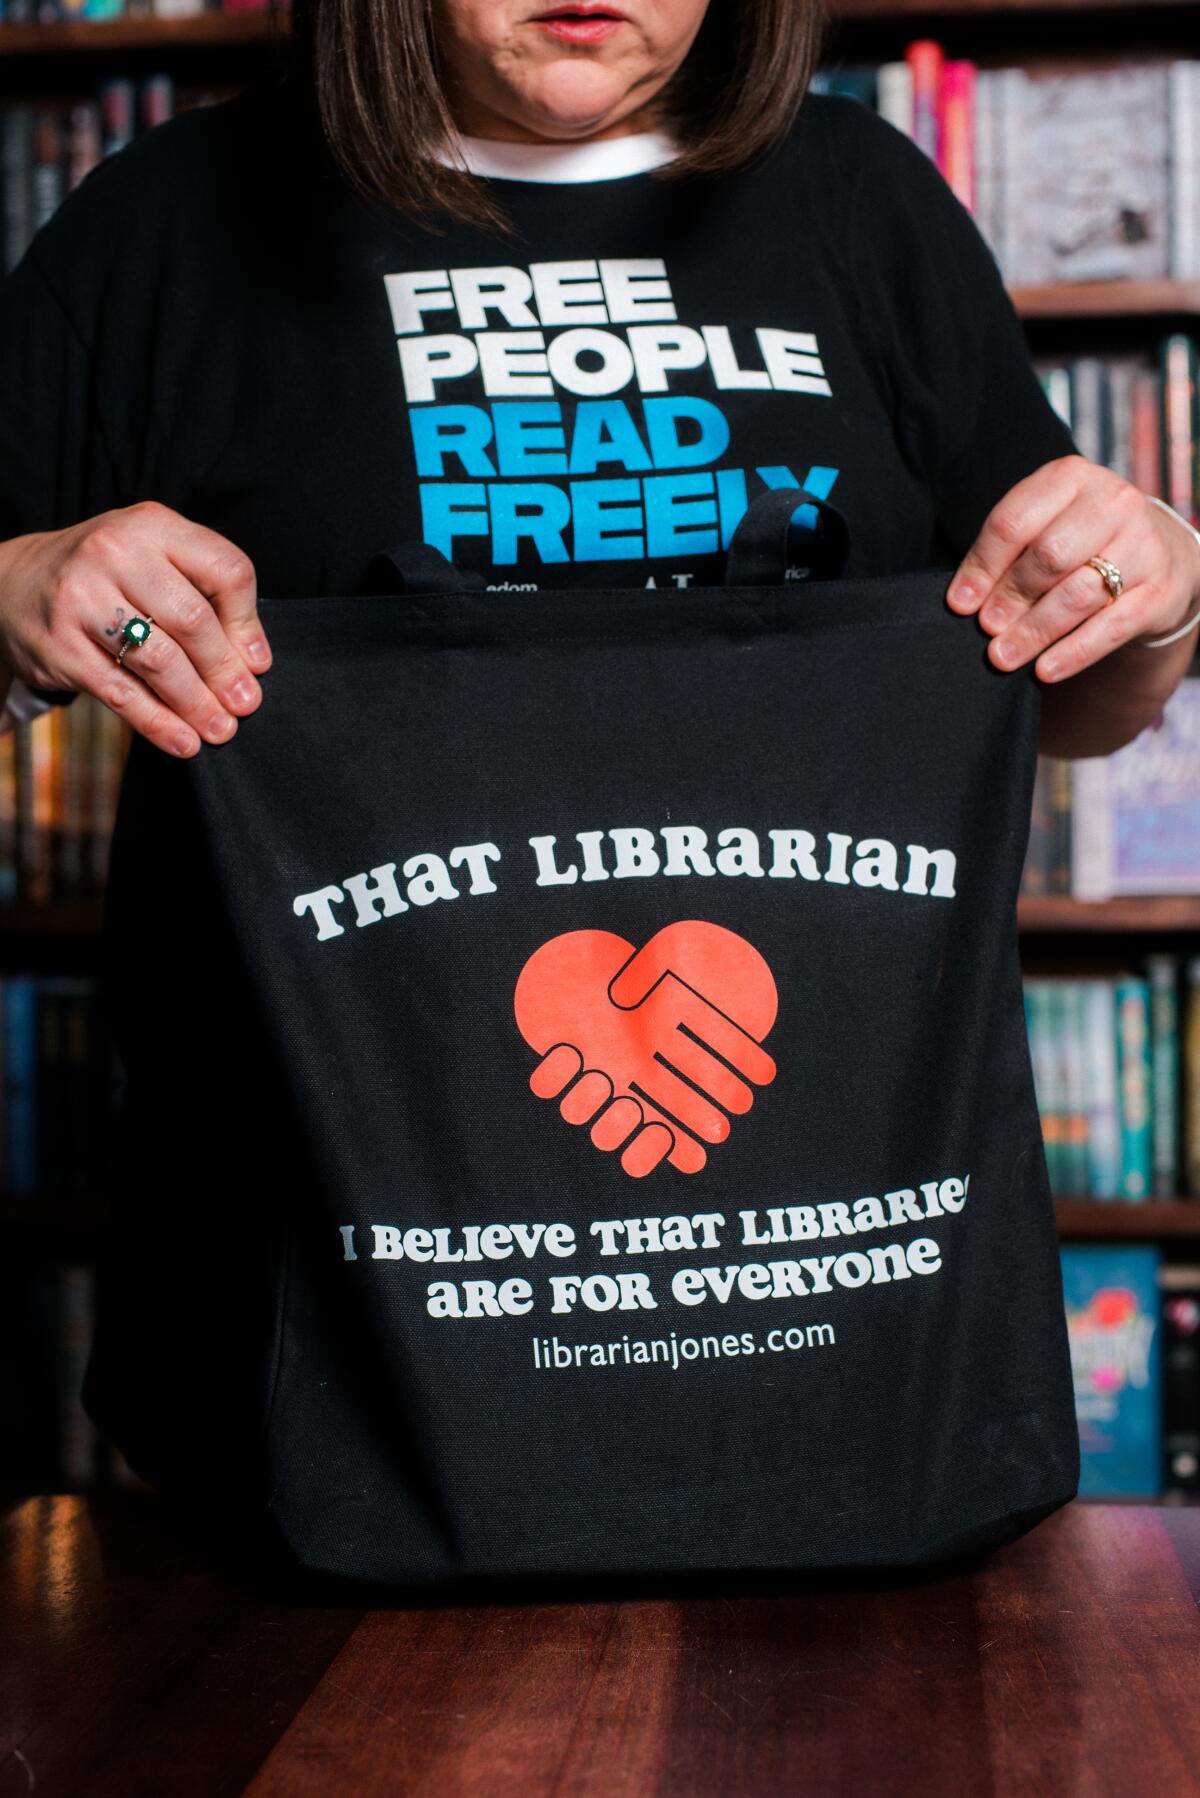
point(653, 1046)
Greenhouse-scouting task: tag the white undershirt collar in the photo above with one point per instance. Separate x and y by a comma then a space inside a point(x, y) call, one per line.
point(609, 159)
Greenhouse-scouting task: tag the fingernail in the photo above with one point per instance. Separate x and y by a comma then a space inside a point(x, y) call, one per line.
point(1004, 654)
point(993, 618)
point(962, 595)
point(258, 653)
point(243, 691)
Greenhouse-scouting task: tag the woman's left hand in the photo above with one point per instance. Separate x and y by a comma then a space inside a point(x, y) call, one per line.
point(1027, 575)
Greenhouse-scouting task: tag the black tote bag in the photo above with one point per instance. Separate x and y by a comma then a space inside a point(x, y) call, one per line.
point(580, 1119)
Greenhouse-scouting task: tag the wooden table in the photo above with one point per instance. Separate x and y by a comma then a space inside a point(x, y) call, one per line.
point(135, 1663)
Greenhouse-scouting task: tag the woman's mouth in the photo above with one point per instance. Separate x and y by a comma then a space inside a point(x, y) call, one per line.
point(580, 24)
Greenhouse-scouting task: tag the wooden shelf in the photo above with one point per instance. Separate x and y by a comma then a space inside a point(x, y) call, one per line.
point(206, 31)
point(1107, 299)
point(1061, 914)
point(899, 9)
point(1102, 1219)
point(62, 917)
point(1058, 915)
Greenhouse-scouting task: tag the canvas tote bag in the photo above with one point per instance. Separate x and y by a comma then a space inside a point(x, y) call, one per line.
point(580, 1118)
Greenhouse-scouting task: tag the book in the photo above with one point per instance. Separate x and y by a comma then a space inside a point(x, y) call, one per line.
point(1163, 972)
point(1112, 1306)
point(1135, 815)
point(1191, 1078)
point(1099, 1003)
point(1133, 1087)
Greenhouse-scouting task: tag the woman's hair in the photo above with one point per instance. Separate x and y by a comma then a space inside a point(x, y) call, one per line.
point(378, 88)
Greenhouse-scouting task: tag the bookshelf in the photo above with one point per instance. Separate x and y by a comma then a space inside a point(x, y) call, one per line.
point(207, 31)
point(1056, 932)
point(1119, 1220)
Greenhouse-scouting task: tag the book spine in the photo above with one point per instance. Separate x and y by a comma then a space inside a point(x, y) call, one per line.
point(1039, 1061)
point(1090, 408)
point(1104, 1130)
point(16, 154)
point(1092, 850)
point(1013, 237)
point(1146, 432)
point(84, 141)
point(1191, 1079)
point(1181, 102)
point(924, 57)
point(895, 96)
point(1075, 1114)
point(1163, 974)
point(1062, 789)
point(1177, 357)
point(20, 1083)
point(1035, 874)
point(1133, 1076)
point(958, 129)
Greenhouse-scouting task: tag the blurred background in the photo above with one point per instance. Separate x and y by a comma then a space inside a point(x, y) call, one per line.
point(1072, 134)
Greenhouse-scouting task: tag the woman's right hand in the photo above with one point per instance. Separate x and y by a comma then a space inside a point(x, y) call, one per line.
point(64, 596)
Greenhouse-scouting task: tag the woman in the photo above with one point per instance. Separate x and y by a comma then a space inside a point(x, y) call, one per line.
point(225, 371)
point(606, 280)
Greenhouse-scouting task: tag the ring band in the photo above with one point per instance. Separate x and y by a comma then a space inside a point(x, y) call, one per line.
point(1110, 574)
point(133, 633)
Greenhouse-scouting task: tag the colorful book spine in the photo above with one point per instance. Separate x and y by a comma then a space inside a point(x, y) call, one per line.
point(958, 129)
point(1163, 973)
point(1191, 1078)
point(1100, 1064)
point(1075, 1179)
point(1133, 1087)
point(1178, 361)
point(18, 996)
point(1039, 1024)
point(924, 57)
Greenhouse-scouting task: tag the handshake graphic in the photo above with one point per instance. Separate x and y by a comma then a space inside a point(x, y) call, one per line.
point(653, 1047)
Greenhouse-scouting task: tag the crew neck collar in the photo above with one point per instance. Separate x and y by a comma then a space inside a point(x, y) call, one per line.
point(609, 159)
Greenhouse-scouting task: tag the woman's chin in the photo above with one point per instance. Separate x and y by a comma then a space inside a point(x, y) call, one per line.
point(573, 107)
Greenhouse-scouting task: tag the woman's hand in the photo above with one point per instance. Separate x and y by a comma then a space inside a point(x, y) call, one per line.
point(64, 596)
point(1027, 578)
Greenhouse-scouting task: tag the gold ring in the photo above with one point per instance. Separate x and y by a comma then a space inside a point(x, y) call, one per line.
point(1110, 574)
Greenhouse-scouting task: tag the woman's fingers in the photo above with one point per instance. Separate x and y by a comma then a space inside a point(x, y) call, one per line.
point(1029, 579)
point(139, 553)
point(1015, 522)
point(1061, 613)
point(70, 594)
point(1054, 562)
point(125, 693)
point(216, 568)
point(162, 664)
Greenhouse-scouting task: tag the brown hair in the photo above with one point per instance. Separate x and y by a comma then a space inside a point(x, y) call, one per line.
point(373, 70)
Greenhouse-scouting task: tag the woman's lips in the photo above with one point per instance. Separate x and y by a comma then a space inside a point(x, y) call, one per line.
point(572, 27)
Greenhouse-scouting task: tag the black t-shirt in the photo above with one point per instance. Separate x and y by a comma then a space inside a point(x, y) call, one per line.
point(216, 320)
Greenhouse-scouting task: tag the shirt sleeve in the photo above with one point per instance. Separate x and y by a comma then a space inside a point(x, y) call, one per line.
point(972, 416)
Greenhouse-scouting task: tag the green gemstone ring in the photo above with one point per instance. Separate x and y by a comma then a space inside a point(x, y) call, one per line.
point(133, 632)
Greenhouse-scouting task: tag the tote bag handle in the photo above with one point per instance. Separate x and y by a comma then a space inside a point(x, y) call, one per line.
point(760, 551)
point(415, 567)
